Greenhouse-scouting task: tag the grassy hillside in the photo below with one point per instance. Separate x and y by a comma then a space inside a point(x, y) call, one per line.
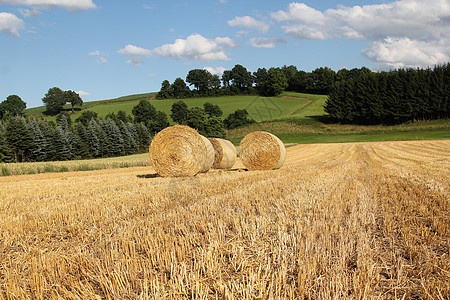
point(294, 117)
point(288, 105)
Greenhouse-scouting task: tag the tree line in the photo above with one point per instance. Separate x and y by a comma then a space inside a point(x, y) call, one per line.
point(36, 139)
point(394, 97)
point(237, 81)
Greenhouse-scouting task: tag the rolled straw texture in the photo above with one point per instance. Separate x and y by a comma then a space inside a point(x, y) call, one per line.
point(209, 155)
point(224, 153)
point(261, 150)
point(180, 151)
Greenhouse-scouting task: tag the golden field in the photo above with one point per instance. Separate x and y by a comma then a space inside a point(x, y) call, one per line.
point(337, 221)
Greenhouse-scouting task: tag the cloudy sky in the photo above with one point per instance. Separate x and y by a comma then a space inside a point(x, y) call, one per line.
point(109, 48)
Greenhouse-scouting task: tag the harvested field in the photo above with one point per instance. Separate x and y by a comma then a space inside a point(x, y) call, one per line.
point(342, 221)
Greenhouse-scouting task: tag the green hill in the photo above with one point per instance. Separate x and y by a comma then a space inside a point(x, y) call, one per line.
point(287, 106)
point(294, 117)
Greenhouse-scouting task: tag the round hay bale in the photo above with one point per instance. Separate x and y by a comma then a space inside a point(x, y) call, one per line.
point(180, 151)
point(208, 163)
point(224, 153)
point(261, 150)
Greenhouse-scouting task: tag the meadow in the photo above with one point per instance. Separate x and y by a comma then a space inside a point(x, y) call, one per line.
point(337, 221)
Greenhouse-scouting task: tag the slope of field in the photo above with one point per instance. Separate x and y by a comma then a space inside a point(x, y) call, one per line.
point(337, 221)
point(289, 105)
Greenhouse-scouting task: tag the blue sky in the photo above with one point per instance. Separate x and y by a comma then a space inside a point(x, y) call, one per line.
point(106, 49)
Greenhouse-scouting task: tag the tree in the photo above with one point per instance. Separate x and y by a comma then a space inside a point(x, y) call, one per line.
point(40, 143)
point(12, 106)
point(213, 110)
point(260, 77)
point(179, 89)
point(226, 78)
point(158, 123)
point(19, 138)
point(73, 98)
point(237, 119)
point(5, 153)
point(276, 82)
point(242, 78)
point(92, 139)
point(143, 112)
point(199, 78)
point(165, 91)
point(179, 112)
point(54, 100)
point(86, 117)
point(214, 127)
point(113, 138)
point(196, 118)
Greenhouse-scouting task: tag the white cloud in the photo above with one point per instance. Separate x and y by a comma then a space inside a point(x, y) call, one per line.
point(94, 53)
point(100, 59)
point(223, 1)
point(83, 93)
point(215, 71)
point(131, 50)
point(198, 48)
point(404, 52)
point(10, 23)
point(249, 22)
point(135, 61)
point(266, 42)
point(390, 27)
point(71, 5)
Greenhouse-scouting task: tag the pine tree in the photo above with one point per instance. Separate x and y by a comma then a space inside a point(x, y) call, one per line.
point(113, 138)
point(19, 138)
point(40, 142)
point(5, 153)
point(92, 140)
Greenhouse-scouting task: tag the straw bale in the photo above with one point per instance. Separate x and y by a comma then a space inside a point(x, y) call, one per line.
point(261, 150)
point(224, 153)
point(180, 151)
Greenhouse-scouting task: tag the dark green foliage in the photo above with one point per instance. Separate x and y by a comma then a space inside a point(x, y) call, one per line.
point(237, 119)
point(179, 89)
point(62, 144)
point(92, 139)
point(19, 139)
point(158, 123)
point(12, 106)
point(86, 117)
point(196, 118)
point(40, 142)
point(73, 98)
point(63, 119)
point(165, 92)
point(179, 112)
point(113, 142)
point(242, 79)
point(122, 116)
point(143, 112)
point(54, 100)
point(200, 79)
point(143, 140)
point(364, 97)
point(214, 128)
point(213, 110)
point(5, 153)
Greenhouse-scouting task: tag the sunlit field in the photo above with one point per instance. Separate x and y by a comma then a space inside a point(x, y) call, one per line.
point(337, 221)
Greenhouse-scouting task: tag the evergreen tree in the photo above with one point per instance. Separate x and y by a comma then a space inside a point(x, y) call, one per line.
point(86, 117)
point(143, 137)
point(113, 138)
point(81, 150)
point(40, 142)
point(92, 139)
point(5, 154)
point(165, 92)
point(19, 139)
point(61, 144)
